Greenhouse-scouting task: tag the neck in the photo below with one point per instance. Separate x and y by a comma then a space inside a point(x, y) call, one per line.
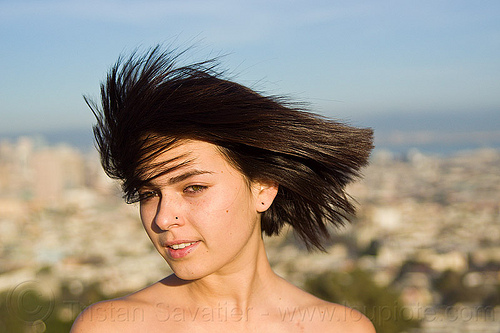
point(238, 286)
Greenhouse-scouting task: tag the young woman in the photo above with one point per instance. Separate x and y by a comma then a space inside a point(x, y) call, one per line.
point(214, 165)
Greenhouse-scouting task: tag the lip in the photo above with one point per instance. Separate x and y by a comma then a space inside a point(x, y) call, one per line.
point(180, 253)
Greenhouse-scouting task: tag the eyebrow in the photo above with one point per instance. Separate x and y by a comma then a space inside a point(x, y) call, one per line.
point(186, 175)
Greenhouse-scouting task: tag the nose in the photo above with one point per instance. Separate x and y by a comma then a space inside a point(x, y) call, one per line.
point(167, 215)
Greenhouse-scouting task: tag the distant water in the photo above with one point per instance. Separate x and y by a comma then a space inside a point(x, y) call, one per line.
point(436, 148)
point(432, 133)
point(82, 139)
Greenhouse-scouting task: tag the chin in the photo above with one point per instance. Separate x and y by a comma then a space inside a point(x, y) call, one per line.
point(188, 274)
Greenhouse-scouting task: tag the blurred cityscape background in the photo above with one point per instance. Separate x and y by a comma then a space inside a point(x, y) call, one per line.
point(423, 254)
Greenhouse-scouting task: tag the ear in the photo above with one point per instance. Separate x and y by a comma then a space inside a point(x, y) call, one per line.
point(264, 194)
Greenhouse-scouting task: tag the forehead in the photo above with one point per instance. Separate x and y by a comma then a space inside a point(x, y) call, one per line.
point(193, 150)
point(182, 155)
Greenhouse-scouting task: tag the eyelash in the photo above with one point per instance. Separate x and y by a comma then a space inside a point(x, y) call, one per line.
point(192, 189)
point(146, 195)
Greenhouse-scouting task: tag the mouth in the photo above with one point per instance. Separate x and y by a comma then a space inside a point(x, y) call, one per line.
point(180, 246)
point(181, 250)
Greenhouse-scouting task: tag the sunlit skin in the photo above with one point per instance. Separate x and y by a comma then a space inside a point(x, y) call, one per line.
point(207, 202)
point(204, 219)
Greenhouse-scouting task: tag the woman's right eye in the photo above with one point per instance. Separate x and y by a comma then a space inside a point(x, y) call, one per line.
point(145, 195)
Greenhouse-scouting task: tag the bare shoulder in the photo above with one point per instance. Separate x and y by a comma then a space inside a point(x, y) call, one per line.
point(340, 318)
point(313, 314)
point(126, 314)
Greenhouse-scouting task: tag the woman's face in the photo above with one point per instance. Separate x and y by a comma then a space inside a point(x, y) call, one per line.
point(203, 217)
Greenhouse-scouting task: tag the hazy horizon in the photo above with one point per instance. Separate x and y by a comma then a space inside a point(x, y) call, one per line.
point(433, 133)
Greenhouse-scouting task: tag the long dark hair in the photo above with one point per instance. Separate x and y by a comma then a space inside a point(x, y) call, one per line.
point(149, 103)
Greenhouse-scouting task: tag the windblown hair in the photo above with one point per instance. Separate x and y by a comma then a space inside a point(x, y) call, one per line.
point(149, 103)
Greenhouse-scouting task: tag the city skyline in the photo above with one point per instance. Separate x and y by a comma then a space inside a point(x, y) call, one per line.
point(431, 237)
point(348, 60)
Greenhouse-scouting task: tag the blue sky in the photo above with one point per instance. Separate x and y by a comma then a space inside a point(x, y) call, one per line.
point(349, 59)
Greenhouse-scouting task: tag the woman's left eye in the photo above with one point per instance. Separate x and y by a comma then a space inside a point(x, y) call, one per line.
point(194, 189)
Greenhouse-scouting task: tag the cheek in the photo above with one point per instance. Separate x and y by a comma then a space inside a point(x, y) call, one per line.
point(216, 199)
point(224, 210)
point(235, 213)
point(145, 213)
point(227, 203)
